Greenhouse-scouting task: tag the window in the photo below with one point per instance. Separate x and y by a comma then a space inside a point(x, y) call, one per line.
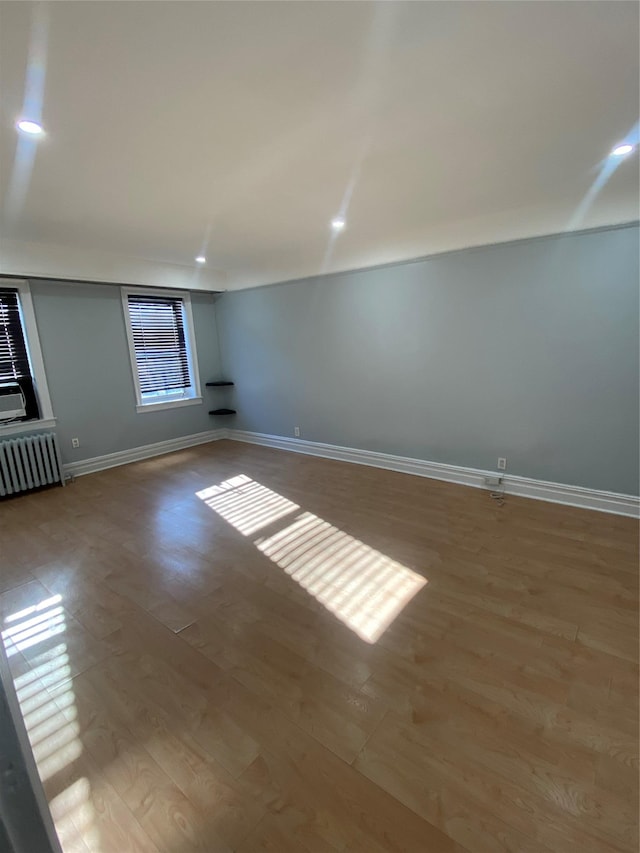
point(14, 360)
point(161, 345)
point(21, 362)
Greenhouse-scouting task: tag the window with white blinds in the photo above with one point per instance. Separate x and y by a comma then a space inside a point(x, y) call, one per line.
point(14, 360)
point(160, 330)
point(22, 373)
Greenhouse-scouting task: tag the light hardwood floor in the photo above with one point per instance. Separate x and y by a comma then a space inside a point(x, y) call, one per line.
point(215, 671)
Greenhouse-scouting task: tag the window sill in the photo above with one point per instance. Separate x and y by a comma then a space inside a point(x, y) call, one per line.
point(27, 426)
point(169, 404)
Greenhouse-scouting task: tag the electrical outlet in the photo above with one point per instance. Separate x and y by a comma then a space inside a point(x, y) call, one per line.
point(502, 463)
point(75, 442)
point(296, 432)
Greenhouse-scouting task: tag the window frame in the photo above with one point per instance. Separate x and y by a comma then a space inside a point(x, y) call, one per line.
point(34, 351)
point(164, 401)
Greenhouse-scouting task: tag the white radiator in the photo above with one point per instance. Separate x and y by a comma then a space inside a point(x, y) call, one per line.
point(29, 462)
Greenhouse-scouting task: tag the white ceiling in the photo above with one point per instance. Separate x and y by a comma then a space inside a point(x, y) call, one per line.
point(247, 126)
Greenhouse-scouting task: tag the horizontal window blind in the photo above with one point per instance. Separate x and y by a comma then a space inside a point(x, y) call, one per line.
point(157, 326)
point(14, 361)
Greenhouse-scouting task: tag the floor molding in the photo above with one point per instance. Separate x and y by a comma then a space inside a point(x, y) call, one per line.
point(525, 487)
point(146, 451)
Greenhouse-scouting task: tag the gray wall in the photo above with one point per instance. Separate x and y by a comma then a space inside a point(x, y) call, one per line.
point(527, 350)
point(86, 357)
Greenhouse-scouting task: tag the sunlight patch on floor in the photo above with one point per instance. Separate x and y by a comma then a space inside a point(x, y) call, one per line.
point(47, 702)
point(33, 629)
point(245, 504)
point(364, 588)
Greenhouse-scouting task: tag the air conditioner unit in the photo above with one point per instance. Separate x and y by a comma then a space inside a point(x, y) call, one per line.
point(12, 402)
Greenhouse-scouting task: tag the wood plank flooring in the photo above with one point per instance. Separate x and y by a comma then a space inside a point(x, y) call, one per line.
point(233, 648)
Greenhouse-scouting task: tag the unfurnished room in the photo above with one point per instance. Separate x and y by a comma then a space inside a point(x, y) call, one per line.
point(319, 426)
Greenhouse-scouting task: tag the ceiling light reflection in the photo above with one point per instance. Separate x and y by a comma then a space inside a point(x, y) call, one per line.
point(30, 127)
point(622, 150)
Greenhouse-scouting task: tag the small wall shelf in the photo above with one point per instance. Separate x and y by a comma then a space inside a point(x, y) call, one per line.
point(221, 383)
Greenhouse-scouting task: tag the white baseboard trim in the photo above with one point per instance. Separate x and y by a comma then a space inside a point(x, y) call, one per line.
point(525, 487)
point(146, 451)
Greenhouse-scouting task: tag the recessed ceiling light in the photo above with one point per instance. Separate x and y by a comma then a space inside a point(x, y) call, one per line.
point(201, 259)
point(622, 150)
point(338, 223)
point(27, 126)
